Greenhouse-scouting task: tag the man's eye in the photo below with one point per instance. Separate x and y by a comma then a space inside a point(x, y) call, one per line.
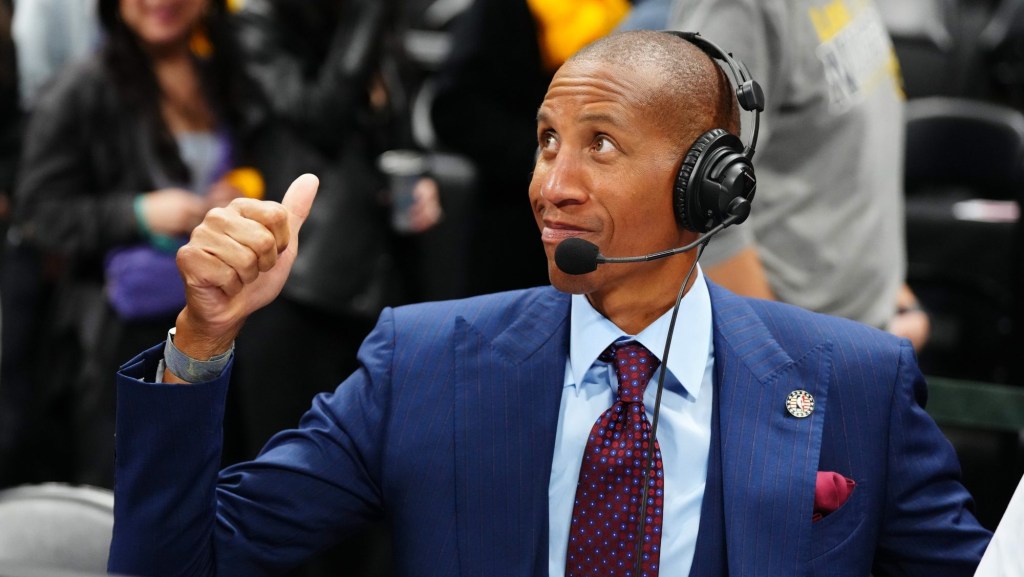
point(603, 144)
point(547, 141)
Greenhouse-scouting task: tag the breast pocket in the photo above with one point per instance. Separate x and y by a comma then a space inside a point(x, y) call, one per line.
point(838, 527)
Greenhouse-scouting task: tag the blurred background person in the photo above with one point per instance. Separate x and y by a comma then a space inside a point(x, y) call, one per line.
point(647, 15)
point(51, 34)
point(827, 230)
point(324, 67)
point(10, 115)
point(9, 110)
point(962, 64)
point(123, 155)
point(319, 65)
point(10, 120)
point(504, 53)
point(48, 35)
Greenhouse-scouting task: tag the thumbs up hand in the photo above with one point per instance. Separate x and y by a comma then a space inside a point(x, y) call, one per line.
point(235, 263)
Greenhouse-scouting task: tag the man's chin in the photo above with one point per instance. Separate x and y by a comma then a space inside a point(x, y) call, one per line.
point(570, 283)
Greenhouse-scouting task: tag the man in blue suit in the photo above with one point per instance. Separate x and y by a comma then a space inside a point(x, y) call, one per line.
point(787, 443)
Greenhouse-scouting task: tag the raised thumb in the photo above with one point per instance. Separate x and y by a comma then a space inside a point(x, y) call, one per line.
point(299, 198)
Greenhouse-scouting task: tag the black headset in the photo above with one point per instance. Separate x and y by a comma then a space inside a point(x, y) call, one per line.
point(716, 180)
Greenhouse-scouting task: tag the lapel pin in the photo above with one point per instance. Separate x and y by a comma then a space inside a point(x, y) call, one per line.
point(800, 404)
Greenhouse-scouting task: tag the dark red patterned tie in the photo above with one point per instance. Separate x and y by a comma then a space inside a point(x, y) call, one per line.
point(606, 514)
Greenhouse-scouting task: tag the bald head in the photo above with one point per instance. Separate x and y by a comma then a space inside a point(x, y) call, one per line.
point(689, 91)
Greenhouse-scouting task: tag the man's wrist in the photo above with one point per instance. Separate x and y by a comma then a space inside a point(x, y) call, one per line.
point(200, 341)
point(191, 370)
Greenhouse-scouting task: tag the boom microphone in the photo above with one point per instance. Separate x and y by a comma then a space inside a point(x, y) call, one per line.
point(577, 256)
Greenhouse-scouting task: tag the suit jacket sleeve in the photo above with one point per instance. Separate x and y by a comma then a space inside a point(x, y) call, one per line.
point(174, 515)
point(929, 529)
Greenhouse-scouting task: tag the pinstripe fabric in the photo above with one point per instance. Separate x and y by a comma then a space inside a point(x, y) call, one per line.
point(506, 404)
point(909, 515)
point(432, 434)
point(772, 457)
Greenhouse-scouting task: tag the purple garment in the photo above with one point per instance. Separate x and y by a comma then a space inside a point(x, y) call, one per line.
point(143, 282)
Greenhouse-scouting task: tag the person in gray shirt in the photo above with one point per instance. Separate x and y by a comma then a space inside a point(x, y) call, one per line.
point(827, 230)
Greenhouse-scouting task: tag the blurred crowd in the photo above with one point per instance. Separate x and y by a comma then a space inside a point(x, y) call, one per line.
point(125, 121)
point(122, 122)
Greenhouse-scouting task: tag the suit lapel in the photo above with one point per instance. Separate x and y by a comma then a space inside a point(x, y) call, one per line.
point(769, 457)
point(508, 386)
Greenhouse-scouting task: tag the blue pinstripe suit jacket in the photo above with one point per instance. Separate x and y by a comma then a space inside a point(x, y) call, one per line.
point(447, 432)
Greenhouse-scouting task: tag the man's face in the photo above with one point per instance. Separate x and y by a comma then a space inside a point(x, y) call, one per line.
point(604, 173)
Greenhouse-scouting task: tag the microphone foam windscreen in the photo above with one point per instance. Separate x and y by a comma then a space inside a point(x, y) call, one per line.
point(576, 256)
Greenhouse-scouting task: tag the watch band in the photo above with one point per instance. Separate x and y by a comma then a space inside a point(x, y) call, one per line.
point(193, 370)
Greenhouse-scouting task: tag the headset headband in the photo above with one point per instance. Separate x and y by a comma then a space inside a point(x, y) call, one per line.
point(748, 92)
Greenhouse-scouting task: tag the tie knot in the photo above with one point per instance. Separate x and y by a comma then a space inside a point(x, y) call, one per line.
point(634, 365)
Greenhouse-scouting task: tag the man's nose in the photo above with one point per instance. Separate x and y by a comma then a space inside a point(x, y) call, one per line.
point(562, 179)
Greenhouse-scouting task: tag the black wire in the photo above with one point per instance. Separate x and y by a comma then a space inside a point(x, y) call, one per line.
point(657, 410)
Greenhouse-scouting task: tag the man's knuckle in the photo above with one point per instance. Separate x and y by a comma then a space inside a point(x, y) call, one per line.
point(217, 215)
point(184, 255)
point(278, 216)
point(265, 243)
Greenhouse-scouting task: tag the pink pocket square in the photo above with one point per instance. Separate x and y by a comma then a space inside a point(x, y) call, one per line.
point(831, 490)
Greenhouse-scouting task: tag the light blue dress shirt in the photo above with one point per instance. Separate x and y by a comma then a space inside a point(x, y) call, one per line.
point(684, 425)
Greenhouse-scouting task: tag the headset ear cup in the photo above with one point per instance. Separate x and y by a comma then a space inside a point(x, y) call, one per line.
point(687, 192)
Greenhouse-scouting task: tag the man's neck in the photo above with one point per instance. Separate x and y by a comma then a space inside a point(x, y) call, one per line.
point(633, 309)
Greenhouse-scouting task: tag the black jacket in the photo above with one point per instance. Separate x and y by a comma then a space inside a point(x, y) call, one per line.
point(314, 61)
point(83, 161)
point(86, 156)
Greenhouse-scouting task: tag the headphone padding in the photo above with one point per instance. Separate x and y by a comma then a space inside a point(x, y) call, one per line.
point(687, 198)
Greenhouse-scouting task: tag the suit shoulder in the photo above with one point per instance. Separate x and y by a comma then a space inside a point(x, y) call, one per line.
point(864, 358)
point(495, 308)
point(781, 318)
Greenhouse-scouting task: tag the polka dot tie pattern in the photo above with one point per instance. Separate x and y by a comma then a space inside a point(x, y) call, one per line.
point(606, 514)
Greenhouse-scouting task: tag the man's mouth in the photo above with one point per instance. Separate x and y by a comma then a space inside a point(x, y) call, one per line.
point(556, 232)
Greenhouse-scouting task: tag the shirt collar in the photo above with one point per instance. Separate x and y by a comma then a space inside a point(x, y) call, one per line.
point(591, 333)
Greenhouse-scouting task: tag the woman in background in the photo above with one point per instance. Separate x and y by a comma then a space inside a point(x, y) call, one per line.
point(123, 156)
